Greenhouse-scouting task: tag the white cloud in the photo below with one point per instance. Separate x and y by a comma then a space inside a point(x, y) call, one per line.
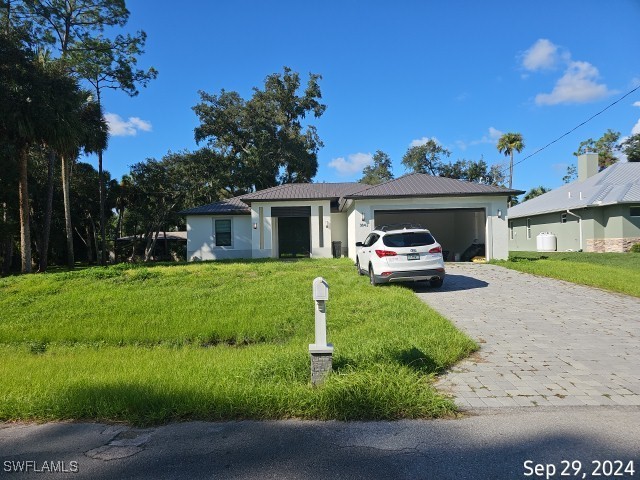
point(491, 137)
point(543, 55)
point(422, 141)
point(636, 104)
point(495, 134)
point(354, 163)
point(579, 84)
point(129, 128)
point(636, 128)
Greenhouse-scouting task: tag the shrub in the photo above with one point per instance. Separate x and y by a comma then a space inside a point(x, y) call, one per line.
point(635, 248)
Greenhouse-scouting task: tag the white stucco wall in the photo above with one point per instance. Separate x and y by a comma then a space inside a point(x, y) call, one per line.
point(339, 230)
point(349, 227)
point(270, 227)
point(201, 242)
point(361, 221)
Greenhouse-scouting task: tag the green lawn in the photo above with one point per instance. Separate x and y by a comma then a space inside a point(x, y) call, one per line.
point(618, 272)
point(213, 341)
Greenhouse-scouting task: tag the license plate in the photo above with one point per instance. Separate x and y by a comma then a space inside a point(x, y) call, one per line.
point(413, 256)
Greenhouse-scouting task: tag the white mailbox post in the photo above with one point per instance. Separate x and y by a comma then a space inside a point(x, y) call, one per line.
point(321, 352)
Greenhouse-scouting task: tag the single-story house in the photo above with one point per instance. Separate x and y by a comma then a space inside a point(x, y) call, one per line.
point(305, 219)
point(599, 212)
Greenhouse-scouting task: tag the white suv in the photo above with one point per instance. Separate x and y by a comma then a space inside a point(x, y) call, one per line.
point(400, 253)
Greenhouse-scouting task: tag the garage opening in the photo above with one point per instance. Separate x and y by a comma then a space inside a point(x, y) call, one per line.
point(460, 231)
point(294, 231)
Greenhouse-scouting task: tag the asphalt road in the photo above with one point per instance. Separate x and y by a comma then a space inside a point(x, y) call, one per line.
point(492, 445)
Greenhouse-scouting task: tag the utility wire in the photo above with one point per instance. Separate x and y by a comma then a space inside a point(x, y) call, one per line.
point(574, 128)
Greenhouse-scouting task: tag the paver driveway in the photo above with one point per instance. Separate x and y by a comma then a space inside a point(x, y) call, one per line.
point(543, 341)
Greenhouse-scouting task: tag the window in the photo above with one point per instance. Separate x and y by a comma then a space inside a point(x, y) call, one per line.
point(261, 218)
point(320, 229)
point(408, 239)
point(634, 211)
point(222, 233)
point(528, 228)
point(511, 229)
point(563, 218)
point(371, 239)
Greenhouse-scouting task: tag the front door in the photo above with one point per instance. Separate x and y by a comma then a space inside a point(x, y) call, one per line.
point(294, 237)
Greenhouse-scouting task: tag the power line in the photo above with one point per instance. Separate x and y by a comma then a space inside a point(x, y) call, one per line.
point(575, 128)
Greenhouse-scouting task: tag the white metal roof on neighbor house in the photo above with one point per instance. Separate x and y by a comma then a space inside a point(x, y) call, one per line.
point(620, 183)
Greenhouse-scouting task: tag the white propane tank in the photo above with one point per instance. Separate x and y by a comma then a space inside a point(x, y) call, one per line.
point(546, 242)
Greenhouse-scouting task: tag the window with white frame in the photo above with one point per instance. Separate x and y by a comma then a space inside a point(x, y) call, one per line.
point(528, 228)
point(563, 218)
point(222, 232)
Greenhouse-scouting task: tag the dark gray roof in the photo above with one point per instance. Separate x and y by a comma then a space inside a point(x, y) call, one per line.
point(620, 183)
point(423, 185)
point(304, 191)
point(229, 206)
point(411, 185)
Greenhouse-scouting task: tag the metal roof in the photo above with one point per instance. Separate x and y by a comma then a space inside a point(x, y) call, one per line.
point(229, 206)
point(423, 185)
point(304, 191)
point(411, 185)
point(620, 183)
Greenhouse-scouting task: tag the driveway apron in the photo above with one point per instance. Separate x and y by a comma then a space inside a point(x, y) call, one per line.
point(543, 342)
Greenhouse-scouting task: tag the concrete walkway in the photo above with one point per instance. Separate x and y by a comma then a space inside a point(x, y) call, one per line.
point(543, 342)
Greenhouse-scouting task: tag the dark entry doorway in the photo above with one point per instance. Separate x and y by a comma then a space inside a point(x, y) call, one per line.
point(294, 237)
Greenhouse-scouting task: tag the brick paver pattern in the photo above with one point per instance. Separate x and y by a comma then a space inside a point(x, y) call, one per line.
point(543, 342)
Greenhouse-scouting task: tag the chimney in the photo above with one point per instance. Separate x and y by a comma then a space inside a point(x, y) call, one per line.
point(587, 166)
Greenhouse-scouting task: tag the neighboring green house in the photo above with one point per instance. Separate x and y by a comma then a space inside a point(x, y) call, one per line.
point(599, 212)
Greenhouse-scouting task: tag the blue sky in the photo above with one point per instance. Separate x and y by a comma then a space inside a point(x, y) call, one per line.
point(394, 74)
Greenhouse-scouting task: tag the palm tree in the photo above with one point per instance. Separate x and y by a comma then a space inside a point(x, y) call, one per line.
point(507, 144)
point(88, 132)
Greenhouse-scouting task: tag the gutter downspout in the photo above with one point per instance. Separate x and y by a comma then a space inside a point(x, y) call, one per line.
point(580, 223)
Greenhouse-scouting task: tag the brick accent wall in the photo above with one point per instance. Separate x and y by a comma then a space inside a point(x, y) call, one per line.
point(610, 244)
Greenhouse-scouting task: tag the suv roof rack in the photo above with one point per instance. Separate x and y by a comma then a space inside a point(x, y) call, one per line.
point(399, 226)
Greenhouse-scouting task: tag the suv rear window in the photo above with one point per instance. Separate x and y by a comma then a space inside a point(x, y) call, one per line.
point(408, 239)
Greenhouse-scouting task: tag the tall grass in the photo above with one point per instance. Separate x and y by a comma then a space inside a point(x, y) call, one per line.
point(212, 341)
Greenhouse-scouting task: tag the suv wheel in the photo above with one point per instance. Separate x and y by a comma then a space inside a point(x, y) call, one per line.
point(436, 283)
point(372, 277)
point(358, 267)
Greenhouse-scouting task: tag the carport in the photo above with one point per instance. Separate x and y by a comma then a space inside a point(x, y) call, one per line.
point(454, 228)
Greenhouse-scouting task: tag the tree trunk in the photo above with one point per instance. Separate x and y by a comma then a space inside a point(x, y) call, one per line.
point(95, 235)
point(46, 229)
point(7, 255)
point(148, 240)
point(23, 195)
point(510, 170)
point(66, 195)
point(103, 238)
point(89, 244)
point(166, 243)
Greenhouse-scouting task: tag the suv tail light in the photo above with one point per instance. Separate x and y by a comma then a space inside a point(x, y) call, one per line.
point(436, 250)
point(385, 253)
